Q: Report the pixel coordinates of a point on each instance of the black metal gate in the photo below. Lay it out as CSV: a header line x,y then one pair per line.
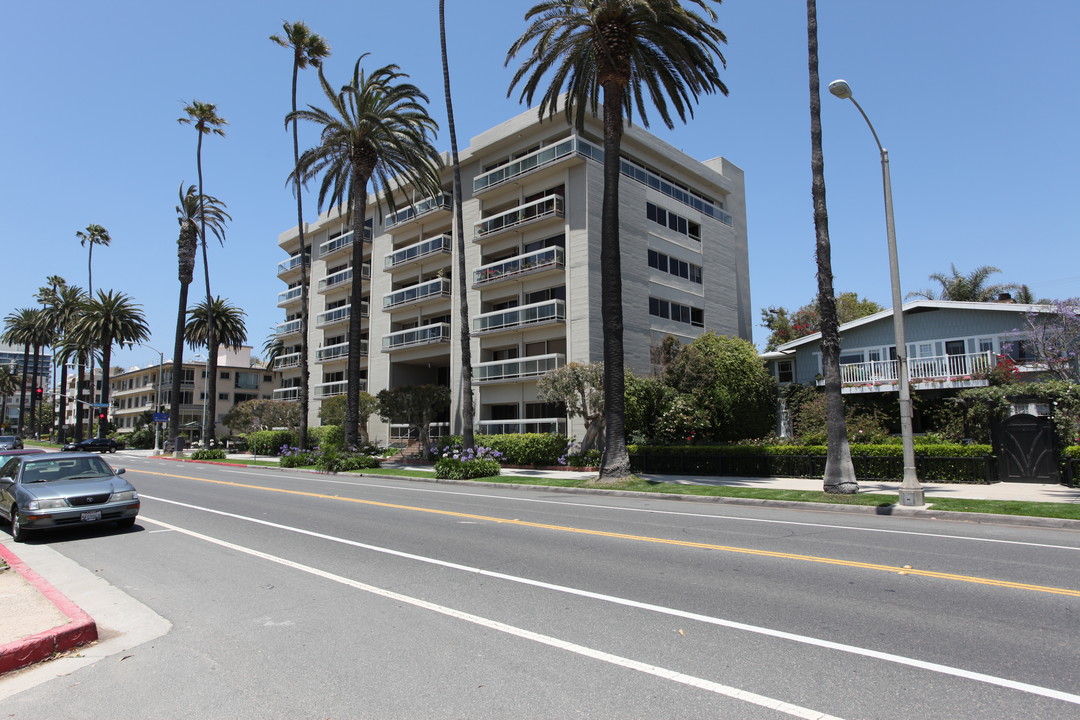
x,y
1024,445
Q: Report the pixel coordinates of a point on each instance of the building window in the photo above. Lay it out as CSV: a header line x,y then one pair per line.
x,y
224,374
674,266
677,312
670,220
223,396
785,371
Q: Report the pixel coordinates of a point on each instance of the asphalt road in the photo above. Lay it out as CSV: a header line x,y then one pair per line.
x,y
295,595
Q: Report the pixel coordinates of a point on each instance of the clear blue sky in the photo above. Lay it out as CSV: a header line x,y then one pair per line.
x,y
977,103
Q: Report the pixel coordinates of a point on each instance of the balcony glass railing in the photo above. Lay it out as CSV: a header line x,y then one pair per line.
x,y
550,206
527,163
542,312
289,295
340,278
289,393
330,389
426,335
291,264
400,432
439,287
338,314
336,352
422,249
520,368
545,259
287,328
284,362
343,240
531,425
430,205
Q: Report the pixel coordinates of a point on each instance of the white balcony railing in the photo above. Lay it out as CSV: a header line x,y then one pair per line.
x,y
287,328
288,393
336,352
343,240
284,362
424,207
527,163
402,433
338,314
284,298
541,312
944,368
426,335
531,425
330,389
291,264
439,287
416,251
533,262
550,206
341,277
518,369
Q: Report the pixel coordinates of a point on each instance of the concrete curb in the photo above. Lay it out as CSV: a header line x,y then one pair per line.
x,y
924,513
81,630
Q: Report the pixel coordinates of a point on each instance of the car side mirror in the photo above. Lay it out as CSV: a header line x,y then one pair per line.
x,y
119,471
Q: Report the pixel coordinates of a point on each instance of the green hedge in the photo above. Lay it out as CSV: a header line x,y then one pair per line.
x,y
270,442
451,469
208,455
542,449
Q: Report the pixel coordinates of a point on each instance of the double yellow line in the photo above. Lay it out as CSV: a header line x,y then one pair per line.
x,y
644,538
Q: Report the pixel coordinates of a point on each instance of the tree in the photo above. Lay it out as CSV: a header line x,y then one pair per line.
x,y
839,474
1053,336
628,48
332,412
377,130
468,412
726,377
787,326
416,406
252,415
20,328
212,326
9,383
307,48
93,235
971,287
648,400
193,212
110,319
63,305
580,387
206,121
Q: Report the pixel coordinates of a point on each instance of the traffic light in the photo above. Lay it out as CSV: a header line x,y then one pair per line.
x,y
101,414
39,392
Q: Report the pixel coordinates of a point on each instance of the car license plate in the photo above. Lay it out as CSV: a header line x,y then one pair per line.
x,y
91,516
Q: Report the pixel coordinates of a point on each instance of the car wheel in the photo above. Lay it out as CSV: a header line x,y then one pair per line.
x,y
112,449
18,533
125,523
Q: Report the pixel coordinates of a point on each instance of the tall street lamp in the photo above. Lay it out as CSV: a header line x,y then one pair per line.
x,y
157,401
911,491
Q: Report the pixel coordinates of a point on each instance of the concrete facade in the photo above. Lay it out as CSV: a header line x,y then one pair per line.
x,y
531,213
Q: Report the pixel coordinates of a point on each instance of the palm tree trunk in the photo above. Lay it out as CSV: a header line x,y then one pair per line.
x,y
352,405
103,415
80,380
61,435
839,472
34,429
22,388
468,412
305,371
177,366
615,465
211,339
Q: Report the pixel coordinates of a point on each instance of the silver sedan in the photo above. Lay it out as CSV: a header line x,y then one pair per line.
x,y
54,490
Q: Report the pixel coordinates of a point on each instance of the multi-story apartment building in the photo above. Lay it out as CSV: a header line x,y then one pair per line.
x,y
38,377
137,391
531,211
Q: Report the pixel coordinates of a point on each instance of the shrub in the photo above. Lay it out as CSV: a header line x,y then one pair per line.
x,y
328,461
208,455
573,457
327,437
294,457
269,442
448,468
358,461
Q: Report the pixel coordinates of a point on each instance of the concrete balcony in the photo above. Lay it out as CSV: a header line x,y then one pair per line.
x,y
288,393
286,362
535,262
417,211
330,353
289,296
939,372
287,328
531,425
517,369
338,315
541,313
545,157
345,240
425,335
440,245
287,267
527,214
330,389
341,279
414,295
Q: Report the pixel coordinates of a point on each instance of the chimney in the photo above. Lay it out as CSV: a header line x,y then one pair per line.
x,y
1005,297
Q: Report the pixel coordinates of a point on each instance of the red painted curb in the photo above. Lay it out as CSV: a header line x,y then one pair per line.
x,y
79,631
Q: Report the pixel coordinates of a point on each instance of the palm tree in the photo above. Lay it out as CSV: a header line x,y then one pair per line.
x,y
625,47
206,121
379,130
467,412
308,48
20,328
110,319
212,325
93,235
966,288
63,305
192,212
9,383
839,474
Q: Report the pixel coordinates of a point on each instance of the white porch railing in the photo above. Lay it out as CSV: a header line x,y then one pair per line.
x,y
938,367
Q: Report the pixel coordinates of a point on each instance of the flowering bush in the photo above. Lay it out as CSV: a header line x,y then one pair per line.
x,y
448,468
293,457
573,457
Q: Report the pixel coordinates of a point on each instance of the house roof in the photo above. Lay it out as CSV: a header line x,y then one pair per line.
x,y
916,306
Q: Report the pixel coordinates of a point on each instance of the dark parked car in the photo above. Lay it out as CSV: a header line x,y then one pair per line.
x,y
11,442
49,491
102,445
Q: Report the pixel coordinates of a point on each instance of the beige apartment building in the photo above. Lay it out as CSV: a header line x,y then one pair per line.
x,y
531,212
137,391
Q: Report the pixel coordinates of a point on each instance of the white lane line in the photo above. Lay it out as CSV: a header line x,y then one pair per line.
x,y
655,670
683,513
780,634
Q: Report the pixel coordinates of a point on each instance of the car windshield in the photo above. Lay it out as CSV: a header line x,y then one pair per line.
x,y
7,438
53,470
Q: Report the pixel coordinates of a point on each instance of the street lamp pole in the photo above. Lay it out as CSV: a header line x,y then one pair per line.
x,y
157,400
911,491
